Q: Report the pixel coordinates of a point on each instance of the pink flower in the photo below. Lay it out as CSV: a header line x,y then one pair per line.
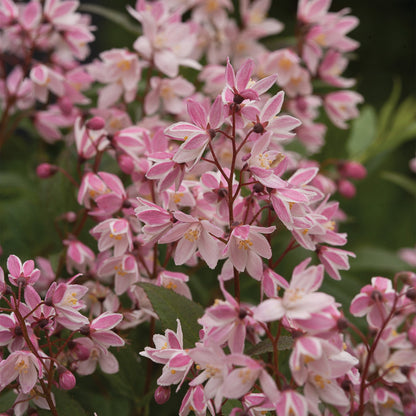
x,y
215,367
169,351
246,246
93,354
174,281
300,299
89,141
332,67
166,41
19,274
292,403
78,256
125,270
196,135
45,79
334,259
341,106
194,401
193,234
114,233
21,365
374,301
100,330
157,220
171,92
66,299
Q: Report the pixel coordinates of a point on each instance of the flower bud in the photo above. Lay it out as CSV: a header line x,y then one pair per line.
x,y
411,333
46,170
346,188
95,123
126,164
70,216
353,170
67,380
162,394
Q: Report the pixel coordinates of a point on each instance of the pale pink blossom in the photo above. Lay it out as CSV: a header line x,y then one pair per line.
x,y
246,246
168,92
374,301
46,79
78,256
166,41
89,141
100,330
21,365
22,274
94,354
156,219
199,133
114,233
334,259
174,281
125,271
193,235
300,299
66,300
341,106
292,403
194,401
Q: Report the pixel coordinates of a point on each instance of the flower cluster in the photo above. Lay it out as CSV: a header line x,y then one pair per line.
x,y
204,175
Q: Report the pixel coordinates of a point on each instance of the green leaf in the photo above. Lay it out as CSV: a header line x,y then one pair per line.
x,y
112,15
377,259
103,405
362,133
388,108
6,400
403,181
229,405
170,306
65,405
285,343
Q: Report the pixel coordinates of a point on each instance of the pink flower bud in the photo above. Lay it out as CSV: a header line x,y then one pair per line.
x,y
346,188
95,123
353,170
411,333
46,170
65,106
70,216
126,164
67,380
162,394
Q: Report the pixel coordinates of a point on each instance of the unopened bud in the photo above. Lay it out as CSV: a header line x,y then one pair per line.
x,y
126,164
65,106
70,216
346,188
353,170
67,380
411,333
95,123
162,394
46,170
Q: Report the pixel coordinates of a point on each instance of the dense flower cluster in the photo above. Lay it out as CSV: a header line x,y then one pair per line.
x,y
209,178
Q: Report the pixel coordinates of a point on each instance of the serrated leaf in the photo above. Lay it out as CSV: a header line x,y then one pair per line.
x,y
403,181
377,259
6,400
113,15
362,133
285,343
170,306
